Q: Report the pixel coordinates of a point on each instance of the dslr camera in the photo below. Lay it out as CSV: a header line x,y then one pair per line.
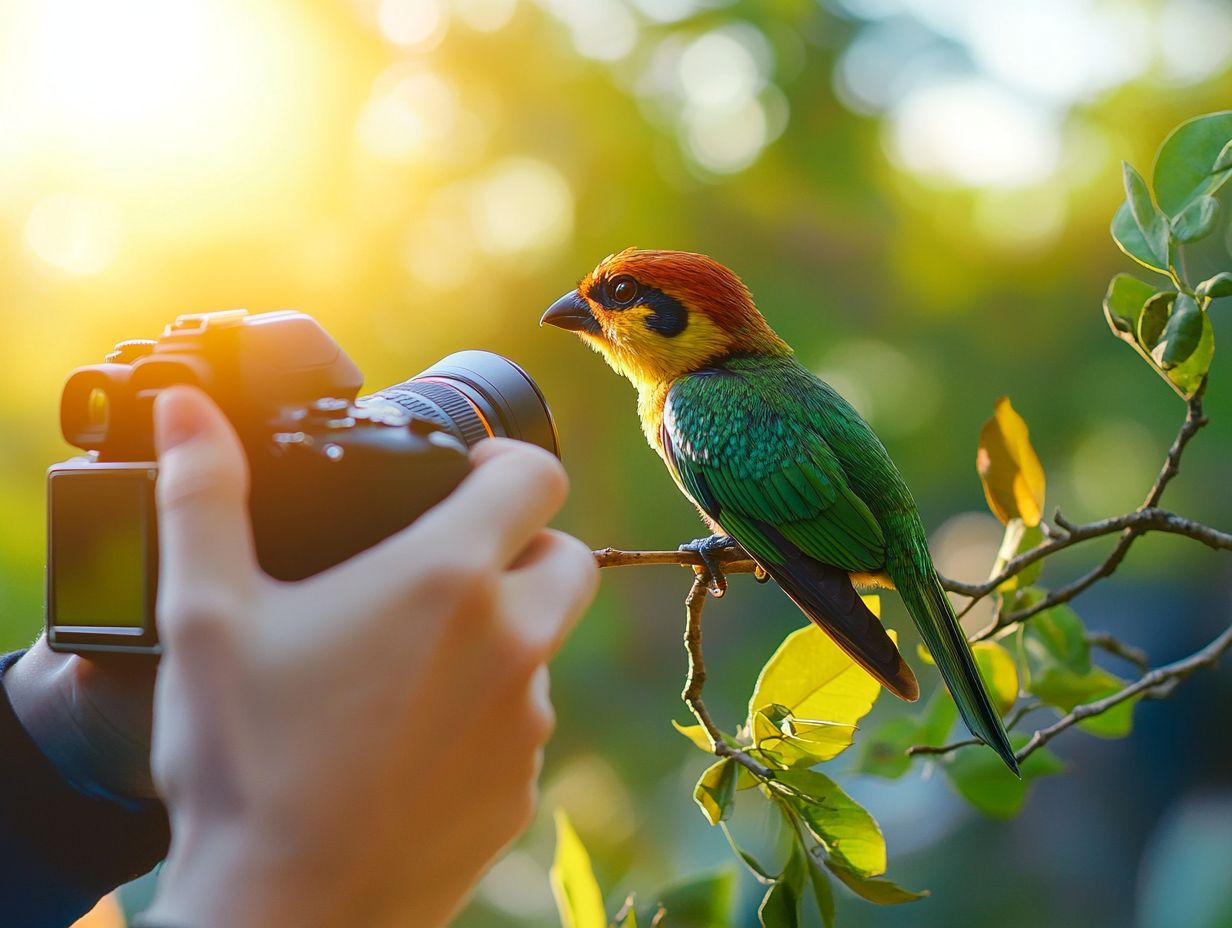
x,y
331,473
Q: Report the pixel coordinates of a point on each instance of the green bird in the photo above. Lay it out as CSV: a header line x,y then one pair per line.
x,y
775,460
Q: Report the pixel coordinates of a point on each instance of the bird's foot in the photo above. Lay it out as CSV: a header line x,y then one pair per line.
x,y
709,549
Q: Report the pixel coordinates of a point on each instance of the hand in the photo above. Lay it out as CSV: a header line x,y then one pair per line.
x,y
91,719
355,748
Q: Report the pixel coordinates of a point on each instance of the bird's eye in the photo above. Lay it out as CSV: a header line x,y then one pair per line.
x,y
623,290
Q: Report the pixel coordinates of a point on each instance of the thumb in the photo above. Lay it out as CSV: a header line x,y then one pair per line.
x,y
205,536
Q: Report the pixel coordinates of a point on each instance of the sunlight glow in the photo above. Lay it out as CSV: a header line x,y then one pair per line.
x,y
485,15
974,132
523,205
410,112
130,76
74,234
604,30
411,23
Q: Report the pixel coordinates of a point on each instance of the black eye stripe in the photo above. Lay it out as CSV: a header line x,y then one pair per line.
x,y
668,316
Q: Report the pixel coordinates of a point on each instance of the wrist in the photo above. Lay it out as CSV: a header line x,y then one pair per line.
x,y
46,691
220,873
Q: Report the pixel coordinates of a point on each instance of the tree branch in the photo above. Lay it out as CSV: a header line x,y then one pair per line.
x,y
1113,645
733,561
1140,521
696,679
1154,684
1147,517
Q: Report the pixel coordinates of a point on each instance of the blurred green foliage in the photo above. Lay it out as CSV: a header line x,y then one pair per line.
x,y
917,193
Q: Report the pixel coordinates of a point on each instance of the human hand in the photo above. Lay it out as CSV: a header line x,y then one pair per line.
x,y
90,718
355,748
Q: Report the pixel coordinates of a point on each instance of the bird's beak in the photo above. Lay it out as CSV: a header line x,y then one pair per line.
x,y
570,312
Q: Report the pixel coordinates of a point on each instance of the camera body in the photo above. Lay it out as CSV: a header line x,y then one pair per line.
x,y
331,474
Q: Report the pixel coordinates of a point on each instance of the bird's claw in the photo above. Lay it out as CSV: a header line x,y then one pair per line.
x,y
709,549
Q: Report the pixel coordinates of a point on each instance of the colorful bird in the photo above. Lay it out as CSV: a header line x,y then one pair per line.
x,y
775,460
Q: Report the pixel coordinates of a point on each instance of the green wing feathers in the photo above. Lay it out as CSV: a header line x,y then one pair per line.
x,y
747,460
787,468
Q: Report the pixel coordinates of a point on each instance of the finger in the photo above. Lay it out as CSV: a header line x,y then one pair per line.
x,y
205,539
551,589
512,491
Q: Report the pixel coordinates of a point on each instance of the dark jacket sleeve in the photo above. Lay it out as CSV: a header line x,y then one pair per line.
x,y
60,850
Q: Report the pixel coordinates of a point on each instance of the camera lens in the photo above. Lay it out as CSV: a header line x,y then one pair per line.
x,y
475,395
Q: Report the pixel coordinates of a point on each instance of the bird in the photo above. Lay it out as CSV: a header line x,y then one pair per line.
x,y
776,462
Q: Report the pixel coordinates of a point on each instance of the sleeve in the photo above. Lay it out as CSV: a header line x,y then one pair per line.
x,y
60,850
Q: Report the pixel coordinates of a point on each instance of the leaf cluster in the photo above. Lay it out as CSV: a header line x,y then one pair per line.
x,y
1168,325
803,712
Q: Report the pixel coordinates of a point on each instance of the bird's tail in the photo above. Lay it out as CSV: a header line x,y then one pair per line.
x,y
934,616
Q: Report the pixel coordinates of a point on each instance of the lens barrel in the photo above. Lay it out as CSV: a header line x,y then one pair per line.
x,y
476,395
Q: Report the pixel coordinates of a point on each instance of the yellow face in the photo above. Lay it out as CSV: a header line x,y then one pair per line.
x,y
654,316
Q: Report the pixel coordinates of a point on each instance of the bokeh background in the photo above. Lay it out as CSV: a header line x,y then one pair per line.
x,y
918,193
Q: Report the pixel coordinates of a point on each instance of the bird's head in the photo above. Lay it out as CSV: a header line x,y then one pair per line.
x,y
656,315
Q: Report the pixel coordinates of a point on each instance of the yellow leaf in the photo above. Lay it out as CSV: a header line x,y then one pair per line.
x,y
1000,673
715,790
800,742
814,680
1009,468
578,898
696,734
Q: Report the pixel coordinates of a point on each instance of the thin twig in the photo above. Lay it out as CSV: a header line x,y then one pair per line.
x,y
696,679
1140,521
1157,683
1113,645
1014,719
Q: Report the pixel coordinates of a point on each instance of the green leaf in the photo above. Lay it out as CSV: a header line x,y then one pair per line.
x,y
882,892
1060,672
1129,239
1193,161
1189,374
716,790
1182,333
1224,161
1215,287
883,753
940,714
696,734
849,834
823,894
813,679
781,906
981,777
1123,304
1065,690
578,899
1055,636
1000,673
755,866
1154,318
1196,221
700,902
1149,218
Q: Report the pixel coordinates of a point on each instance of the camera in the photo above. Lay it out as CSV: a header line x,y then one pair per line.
x,y
331,473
